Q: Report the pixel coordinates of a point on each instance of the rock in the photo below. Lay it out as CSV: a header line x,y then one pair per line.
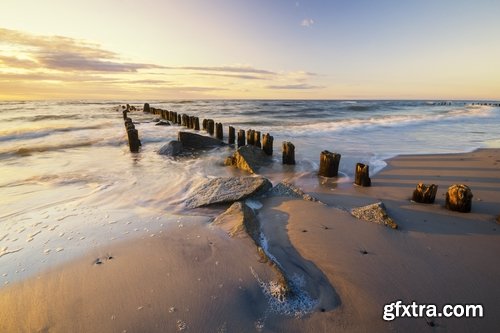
x,y
196,141
459,198
285,189
226,190
374,213
425,193
239,220
162,123
173,148
248,158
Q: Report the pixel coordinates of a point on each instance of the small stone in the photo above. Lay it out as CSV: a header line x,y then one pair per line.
x,y
374,213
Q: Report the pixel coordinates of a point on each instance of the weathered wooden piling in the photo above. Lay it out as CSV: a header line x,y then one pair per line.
x,y
196,123
241,138
218,131
425,193
191,122
288,153
256,139
362,175
133,140
250,136
231,135
204,124
184,119
146,108
459,198
210,126
124,112
267,144
329,164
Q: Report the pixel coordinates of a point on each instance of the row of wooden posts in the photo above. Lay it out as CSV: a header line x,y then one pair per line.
x,y
329,162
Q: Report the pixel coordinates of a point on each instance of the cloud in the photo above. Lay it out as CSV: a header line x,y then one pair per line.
x,y
62,53
299,86
227,69
307,22
235,76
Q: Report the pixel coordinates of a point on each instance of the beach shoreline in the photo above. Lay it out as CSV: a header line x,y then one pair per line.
x,y
198,278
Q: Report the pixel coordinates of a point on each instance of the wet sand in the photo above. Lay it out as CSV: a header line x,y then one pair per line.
x,y
199,279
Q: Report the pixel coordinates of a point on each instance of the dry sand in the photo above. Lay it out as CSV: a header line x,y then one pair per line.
x,y
199,279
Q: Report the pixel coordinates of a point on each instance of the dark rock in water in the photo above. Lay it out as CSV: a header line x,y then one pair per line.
x,y
285,189
248,158
425,193
459,198
375,213
226,190
239,220
162,123
173,148
196,141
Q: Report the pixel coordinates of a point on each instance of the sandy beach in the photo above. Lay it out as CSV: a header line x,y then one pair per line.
x,y
197,278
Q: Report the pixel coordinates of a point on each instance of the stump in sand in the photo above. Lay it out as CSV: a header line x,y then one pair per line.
x,y
241,138
459,198
256,139
329,164
232,137
425,193
288,153
218,131
362,175
267,144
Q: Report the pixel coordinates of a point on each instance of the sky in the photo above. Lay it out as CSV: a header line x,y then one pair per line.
x,y
253,49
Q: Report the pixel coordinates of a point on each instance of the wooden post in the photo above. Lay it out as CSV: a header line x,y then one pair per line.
x,y
146,108
231,138
256,139
425,193
267,144
459,198
250,136
196,123
329,164
133,140
288,153
218,131
204,124
210,126
179,119
191,122
241,138
124,112
362,175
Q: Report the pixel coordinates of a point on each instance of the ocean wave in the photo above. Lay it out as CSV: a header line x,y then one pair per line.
x,y
33,133
43,148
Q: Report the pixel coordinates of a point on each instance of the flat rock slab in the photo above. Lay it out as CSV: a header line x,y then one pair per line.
x,y
227,190
195,141
248,158
375,213
285,189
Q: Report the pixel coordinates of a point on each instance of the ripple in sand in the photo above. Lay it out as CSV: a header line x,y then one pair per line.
x,y
5,250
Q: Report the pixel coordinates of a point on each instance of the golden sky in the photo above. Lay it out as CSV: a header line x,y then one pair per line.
x,y
188,49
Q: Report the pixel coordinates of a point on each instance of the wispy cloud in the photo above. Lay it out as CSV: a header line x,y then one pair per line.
x,y
62,53
227,69
299,86
307,22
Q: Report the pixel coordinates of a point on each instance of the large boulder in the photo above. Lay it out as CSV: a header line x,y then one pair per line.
x,y
375,213
195,141
248,158
226,190
239,220
459,198
173,148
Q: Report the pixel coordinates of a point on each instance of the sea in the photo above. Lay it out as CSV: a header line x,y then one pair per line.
x,y
68,182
